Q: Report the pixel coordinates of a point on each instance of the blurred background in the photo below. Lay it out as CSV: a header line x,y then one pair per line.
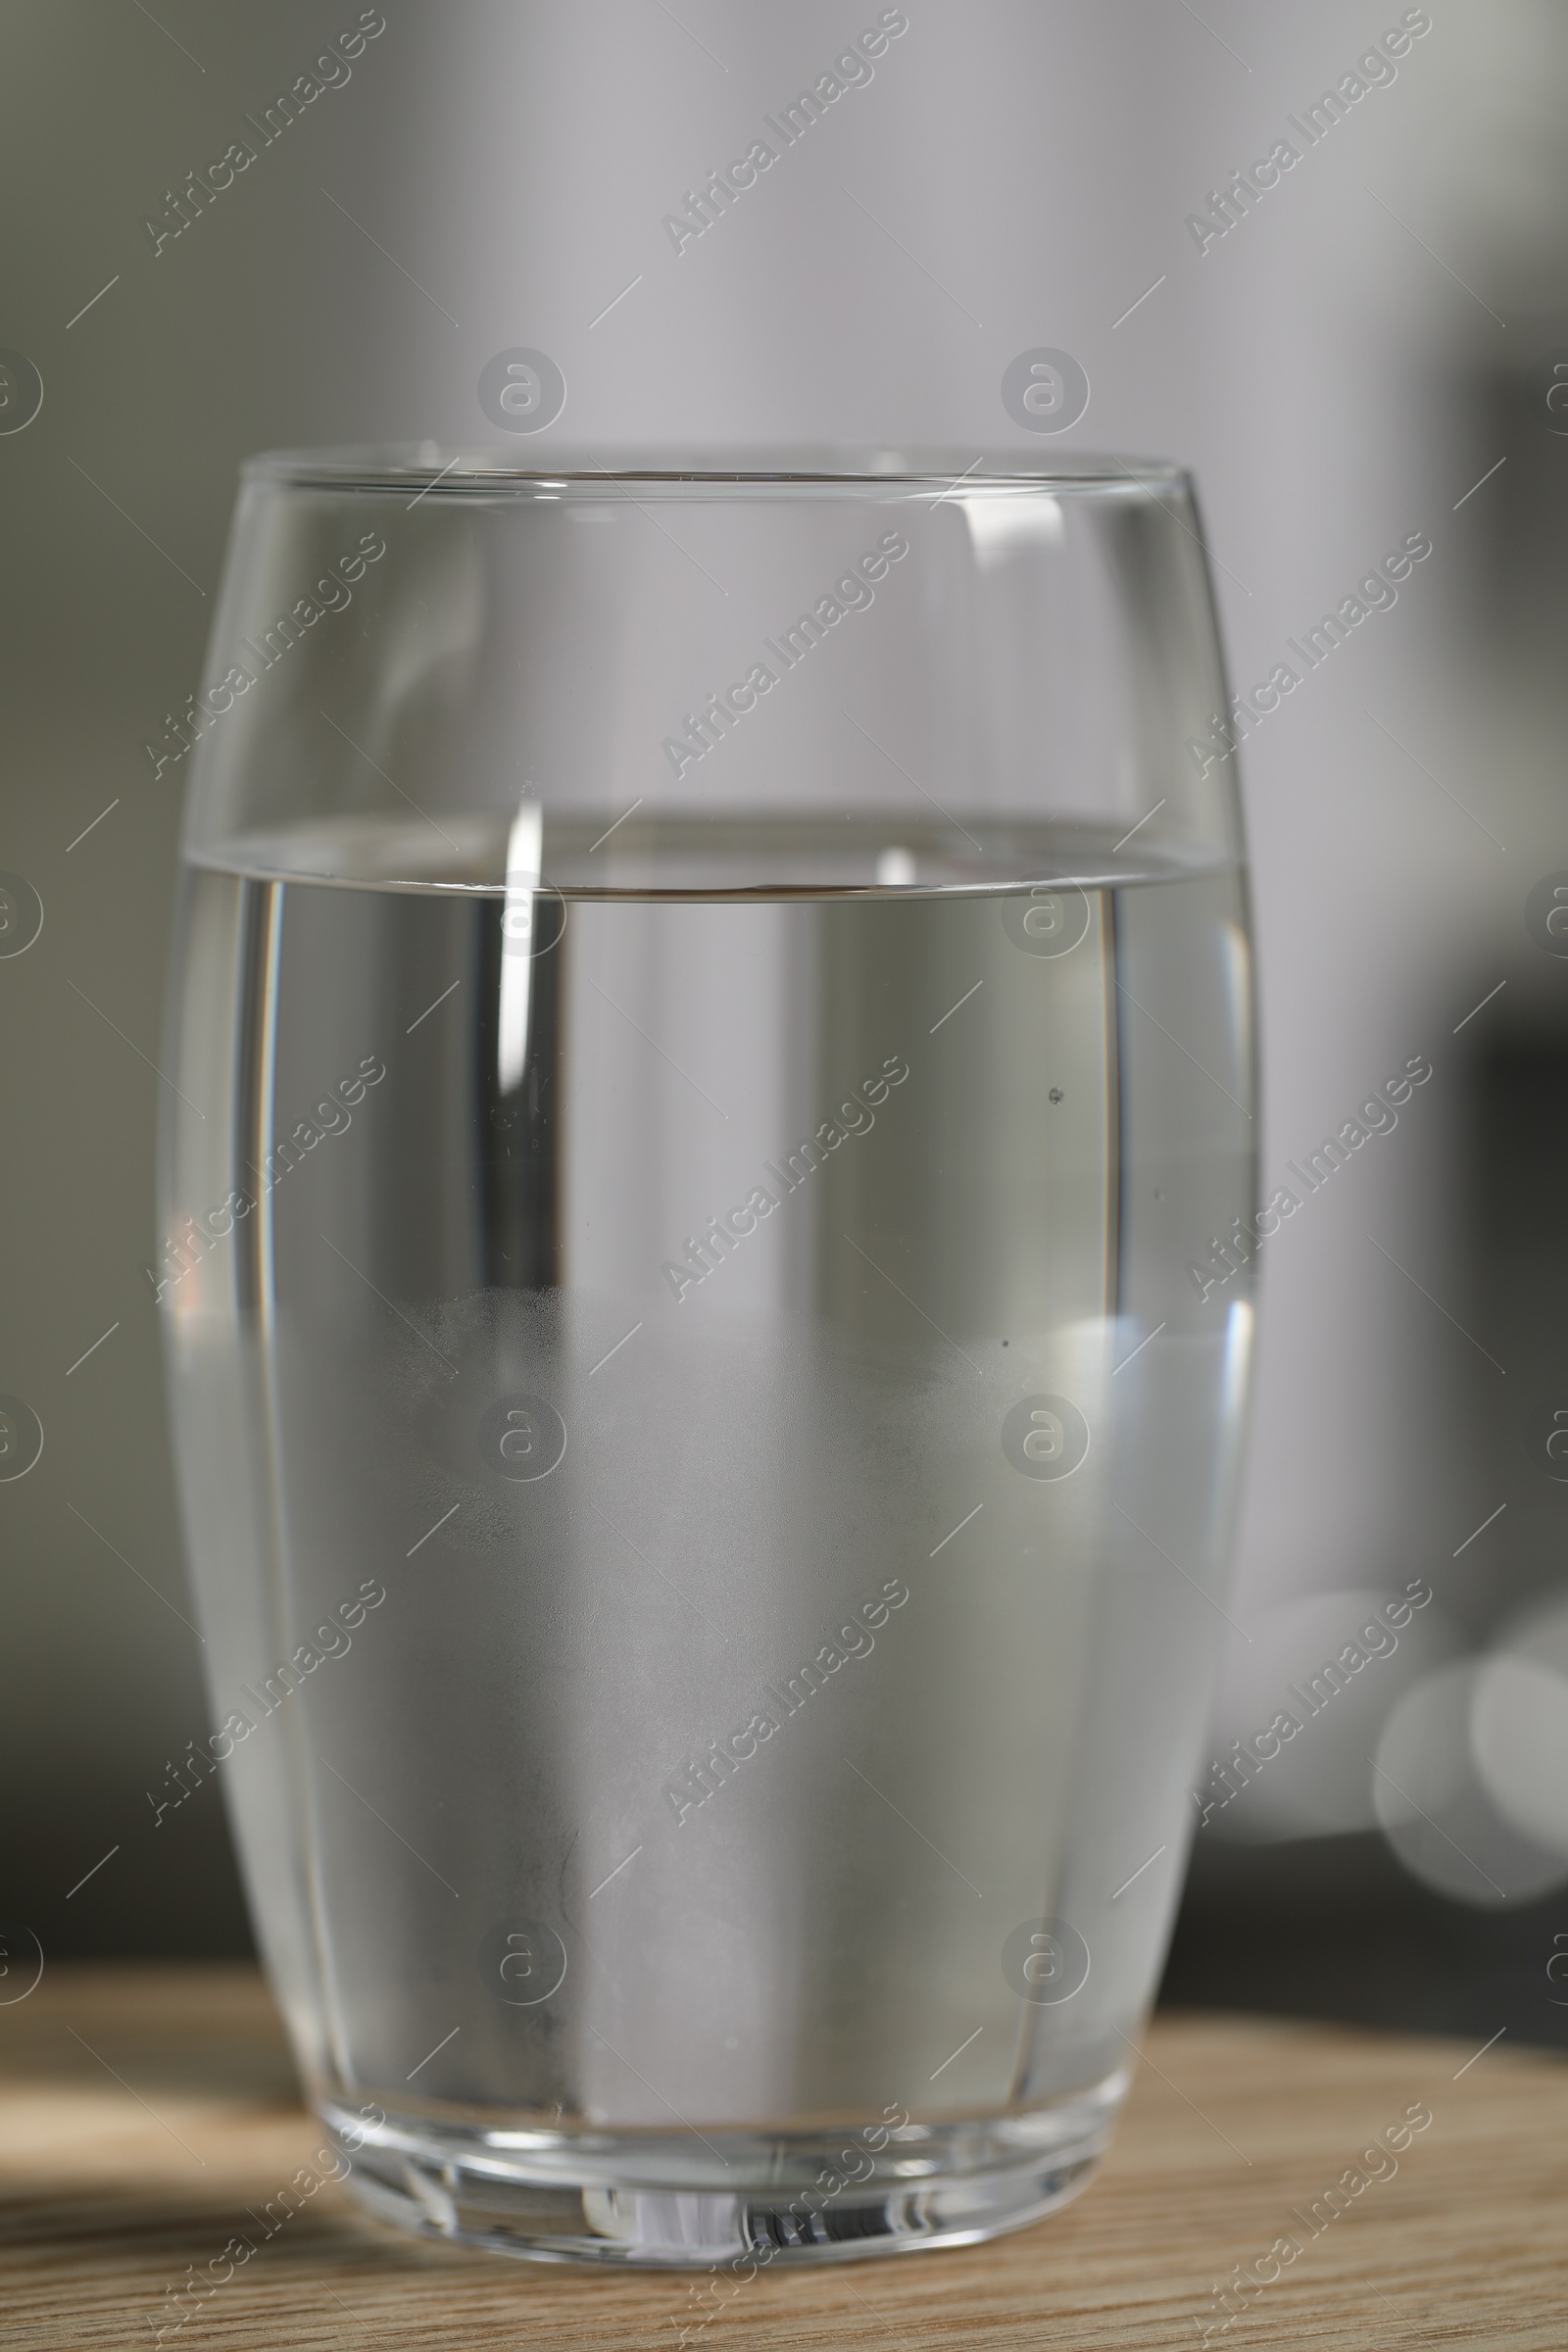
x,y
1360,353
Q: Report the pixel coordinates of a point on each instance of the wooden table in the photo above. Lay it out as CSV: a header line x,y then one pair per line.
x,y
145,2110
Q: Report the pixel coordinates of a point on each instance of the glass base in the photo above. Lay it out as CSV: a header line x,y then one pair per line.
x,y
736,2199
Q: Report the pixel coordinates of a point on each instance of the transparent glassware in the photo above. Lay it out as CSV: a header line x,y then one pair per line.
x,y
712,1028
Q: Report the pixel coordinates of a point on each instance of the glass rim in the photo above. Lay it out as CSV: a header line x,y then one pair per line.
x,y
445,471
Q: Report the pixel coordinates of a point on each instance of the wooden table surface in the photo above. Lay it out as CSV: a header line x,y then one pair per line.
x,y
146,2110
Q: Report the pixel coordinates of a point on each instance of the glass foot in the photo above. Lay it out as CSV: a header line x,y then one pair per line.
x,y
732,2199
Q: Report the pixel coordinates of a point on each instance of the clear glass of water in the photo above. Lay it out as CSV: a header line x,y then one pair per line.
x,y
713,1021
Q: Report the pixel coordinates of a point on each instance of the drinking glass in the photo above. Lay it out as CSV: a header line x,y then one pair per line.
x,y
713,1023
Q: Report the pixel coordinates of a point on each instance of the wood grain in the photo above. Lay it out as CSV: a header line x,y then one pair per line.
x,y
146,2111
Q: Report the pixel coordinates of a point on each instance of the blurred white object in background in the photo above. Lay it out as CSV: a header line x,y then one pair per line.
x,y
1471,1772
1298,1663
